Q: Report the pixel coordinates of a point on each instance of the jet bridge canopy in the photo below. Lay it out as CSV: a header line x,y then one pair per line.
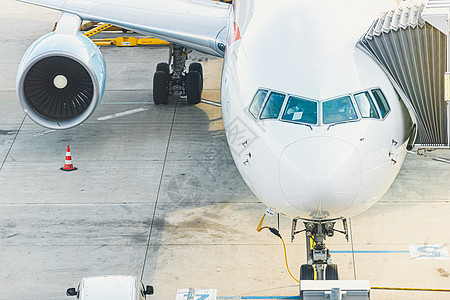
x,y
413,54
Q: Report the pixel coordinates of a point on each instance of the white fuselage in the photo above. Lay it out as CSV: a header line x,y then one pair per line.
x,y
326,150
308,49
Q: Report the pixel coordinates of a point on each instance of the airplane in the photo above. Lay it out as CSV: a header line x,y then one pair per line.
x,y
315,127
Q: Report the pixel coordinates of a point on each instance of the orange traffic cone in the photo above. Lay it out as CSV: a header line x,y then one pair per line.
x,y
68,165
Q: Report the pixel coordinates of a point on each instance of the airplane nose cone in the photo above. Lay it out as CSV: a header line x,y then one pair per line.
x,y
320,175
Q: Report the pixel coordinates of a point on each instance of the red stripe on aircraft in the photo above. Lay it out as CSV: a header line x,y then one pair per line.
x,y
237,33
235,2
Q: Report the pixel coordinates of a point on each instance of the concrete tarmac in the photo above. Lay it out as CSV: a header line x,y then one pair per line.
x,y
157,195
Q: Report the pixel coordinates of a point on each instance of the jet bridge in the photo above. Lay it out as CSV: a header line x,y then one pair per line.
x,y
413,53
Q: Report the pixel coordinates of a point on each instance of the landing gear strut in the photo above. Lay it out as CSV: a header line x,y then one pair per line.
x,y
319,265
166,83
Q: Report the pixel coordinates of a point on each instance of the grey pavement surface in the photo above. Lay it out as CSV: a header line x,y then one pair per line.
x,y
157,195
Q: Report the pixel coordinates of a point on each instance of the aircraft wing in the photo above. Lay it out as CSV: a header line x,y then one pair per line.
x,y
195,24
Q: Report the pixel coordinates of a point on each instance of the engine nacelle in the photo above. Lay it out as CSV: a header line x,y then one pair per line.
x,y
61,80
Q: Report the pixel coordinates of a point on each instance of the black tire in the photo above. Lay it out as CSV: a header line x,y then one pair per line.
x,y
161,87
194,87
196,67
331,272
162,66
306,272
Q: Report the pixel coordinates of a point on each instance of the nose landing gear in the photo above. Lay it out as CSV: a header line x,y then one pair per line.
x,y
319,265
186,84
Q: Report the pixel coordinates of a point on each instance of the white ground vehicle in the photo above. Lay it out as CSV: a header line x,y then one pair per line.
x,y
117,287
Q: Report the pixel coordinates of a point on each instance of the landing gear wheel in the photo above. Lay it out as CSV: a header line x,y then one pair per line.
x,y
331,272
160,87
163,67
194,87
306,272
196,67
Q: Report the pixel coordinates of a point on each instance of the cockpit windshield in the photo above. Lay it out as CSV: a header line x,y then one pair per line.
x,y
273,106
368,104
339,110
381,101
300,110
257,102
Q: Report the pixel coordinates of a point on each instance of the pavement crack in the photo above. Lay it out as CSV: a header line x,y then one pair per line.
x,y
159,188
12,144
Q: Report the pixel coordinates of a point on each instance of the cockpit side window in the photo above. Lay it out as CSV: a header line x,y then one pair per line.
x,y
338,110
300,110
383,105
257,102
366,105
273,106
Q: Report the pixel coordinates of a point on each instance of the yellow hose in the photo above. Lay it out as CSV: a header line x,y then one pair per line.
x,y
259,228
285,260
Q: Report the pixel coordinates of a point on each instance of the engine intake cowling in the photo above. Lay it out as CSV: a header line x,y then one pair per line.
x,y
61,80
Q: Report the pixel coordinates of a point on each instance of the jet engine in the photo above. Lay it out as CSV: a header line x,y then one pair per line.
x,y
61,80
